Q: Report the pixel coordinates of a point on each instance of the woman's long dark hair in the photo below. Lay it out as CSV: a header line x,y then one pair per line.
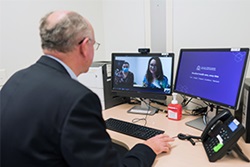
x,y
158,73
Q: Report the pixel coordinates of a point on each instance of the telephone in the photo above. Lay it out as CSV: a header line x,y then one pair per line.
x,y
220,136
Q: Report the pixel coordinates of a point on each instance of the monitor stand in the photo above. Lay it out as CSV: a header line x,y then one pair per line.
x,y
201,122
197,123
144,108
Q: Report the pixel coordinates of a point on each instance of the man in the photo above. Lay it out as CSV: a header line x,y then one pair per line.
x,y
49,119
124,78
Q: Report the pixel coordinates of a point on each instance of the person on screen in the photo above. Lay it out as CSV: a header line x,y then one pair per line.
x,y
154,77
48,118
124,78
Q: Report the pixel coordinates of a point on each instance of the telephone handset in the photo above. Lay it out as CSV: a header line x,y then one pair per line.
x,y
221,135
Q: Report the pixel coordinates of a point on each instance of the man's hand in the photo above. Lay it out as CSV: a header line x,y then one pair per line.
x,y
159,143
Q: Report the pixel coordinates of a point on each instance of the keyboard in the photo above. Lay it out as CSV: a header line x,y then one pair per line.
x,y
131,129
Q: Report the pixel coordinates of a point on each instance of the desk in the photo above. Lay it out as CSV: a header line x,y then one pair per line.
x,y
183,153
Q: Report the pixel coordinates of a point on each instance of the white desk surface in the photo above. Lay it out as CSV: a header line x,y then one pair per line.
x,y
183,153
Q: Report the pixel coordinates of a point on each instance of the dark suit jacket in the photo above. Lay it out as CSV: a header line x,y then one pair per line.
x,y
48,119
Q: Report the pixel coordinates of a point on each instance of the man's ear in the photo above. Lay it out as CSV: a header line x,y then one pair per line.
x,y
83,47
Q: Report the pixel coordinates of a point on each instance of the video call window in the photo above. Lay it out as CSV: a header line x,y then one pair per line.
x,y
142,74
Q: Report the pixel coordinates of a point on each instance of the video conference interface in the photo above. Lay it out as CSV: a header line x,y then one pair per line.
x,y
142,73
212,75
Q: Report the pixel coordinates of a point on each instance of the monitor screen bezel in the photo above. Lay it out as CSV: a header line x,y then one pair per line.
x,y
141,93
242,78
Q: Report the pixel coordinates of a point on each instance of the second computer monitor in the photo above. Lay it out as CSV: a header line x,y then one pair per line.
x,y
213,75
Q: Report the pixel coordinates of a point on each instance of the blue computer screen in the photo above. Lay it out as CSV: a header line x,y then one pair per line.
x,y
215,75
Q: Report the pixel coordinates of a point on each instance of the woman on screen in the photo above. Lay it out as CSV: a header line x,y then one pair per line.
x,y
154,77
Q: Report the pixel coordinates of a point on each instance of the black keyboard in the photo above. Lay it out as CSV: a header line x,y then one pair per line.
x,y
132,129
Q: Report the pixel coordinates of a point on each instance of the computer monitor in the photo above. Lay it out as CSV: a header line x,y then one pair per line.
x,y
139,69
213,75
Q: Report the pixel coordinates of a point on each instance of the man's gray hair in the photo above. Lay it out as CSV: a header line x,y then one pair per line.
x,y
64,35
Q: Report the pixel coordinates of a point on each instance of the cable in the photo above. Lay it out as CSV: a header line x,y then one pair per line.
x,y
200,111
148,104
185,101
135,120
190,138
157,102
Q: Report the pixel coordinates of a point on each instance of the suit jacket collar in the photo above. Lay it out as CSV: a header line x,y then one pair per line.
x,y
47,61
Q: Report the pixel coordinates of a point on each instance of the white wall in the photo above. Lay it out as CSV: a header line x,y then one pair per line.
x,y
19,23
124,25
211,23
119,26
